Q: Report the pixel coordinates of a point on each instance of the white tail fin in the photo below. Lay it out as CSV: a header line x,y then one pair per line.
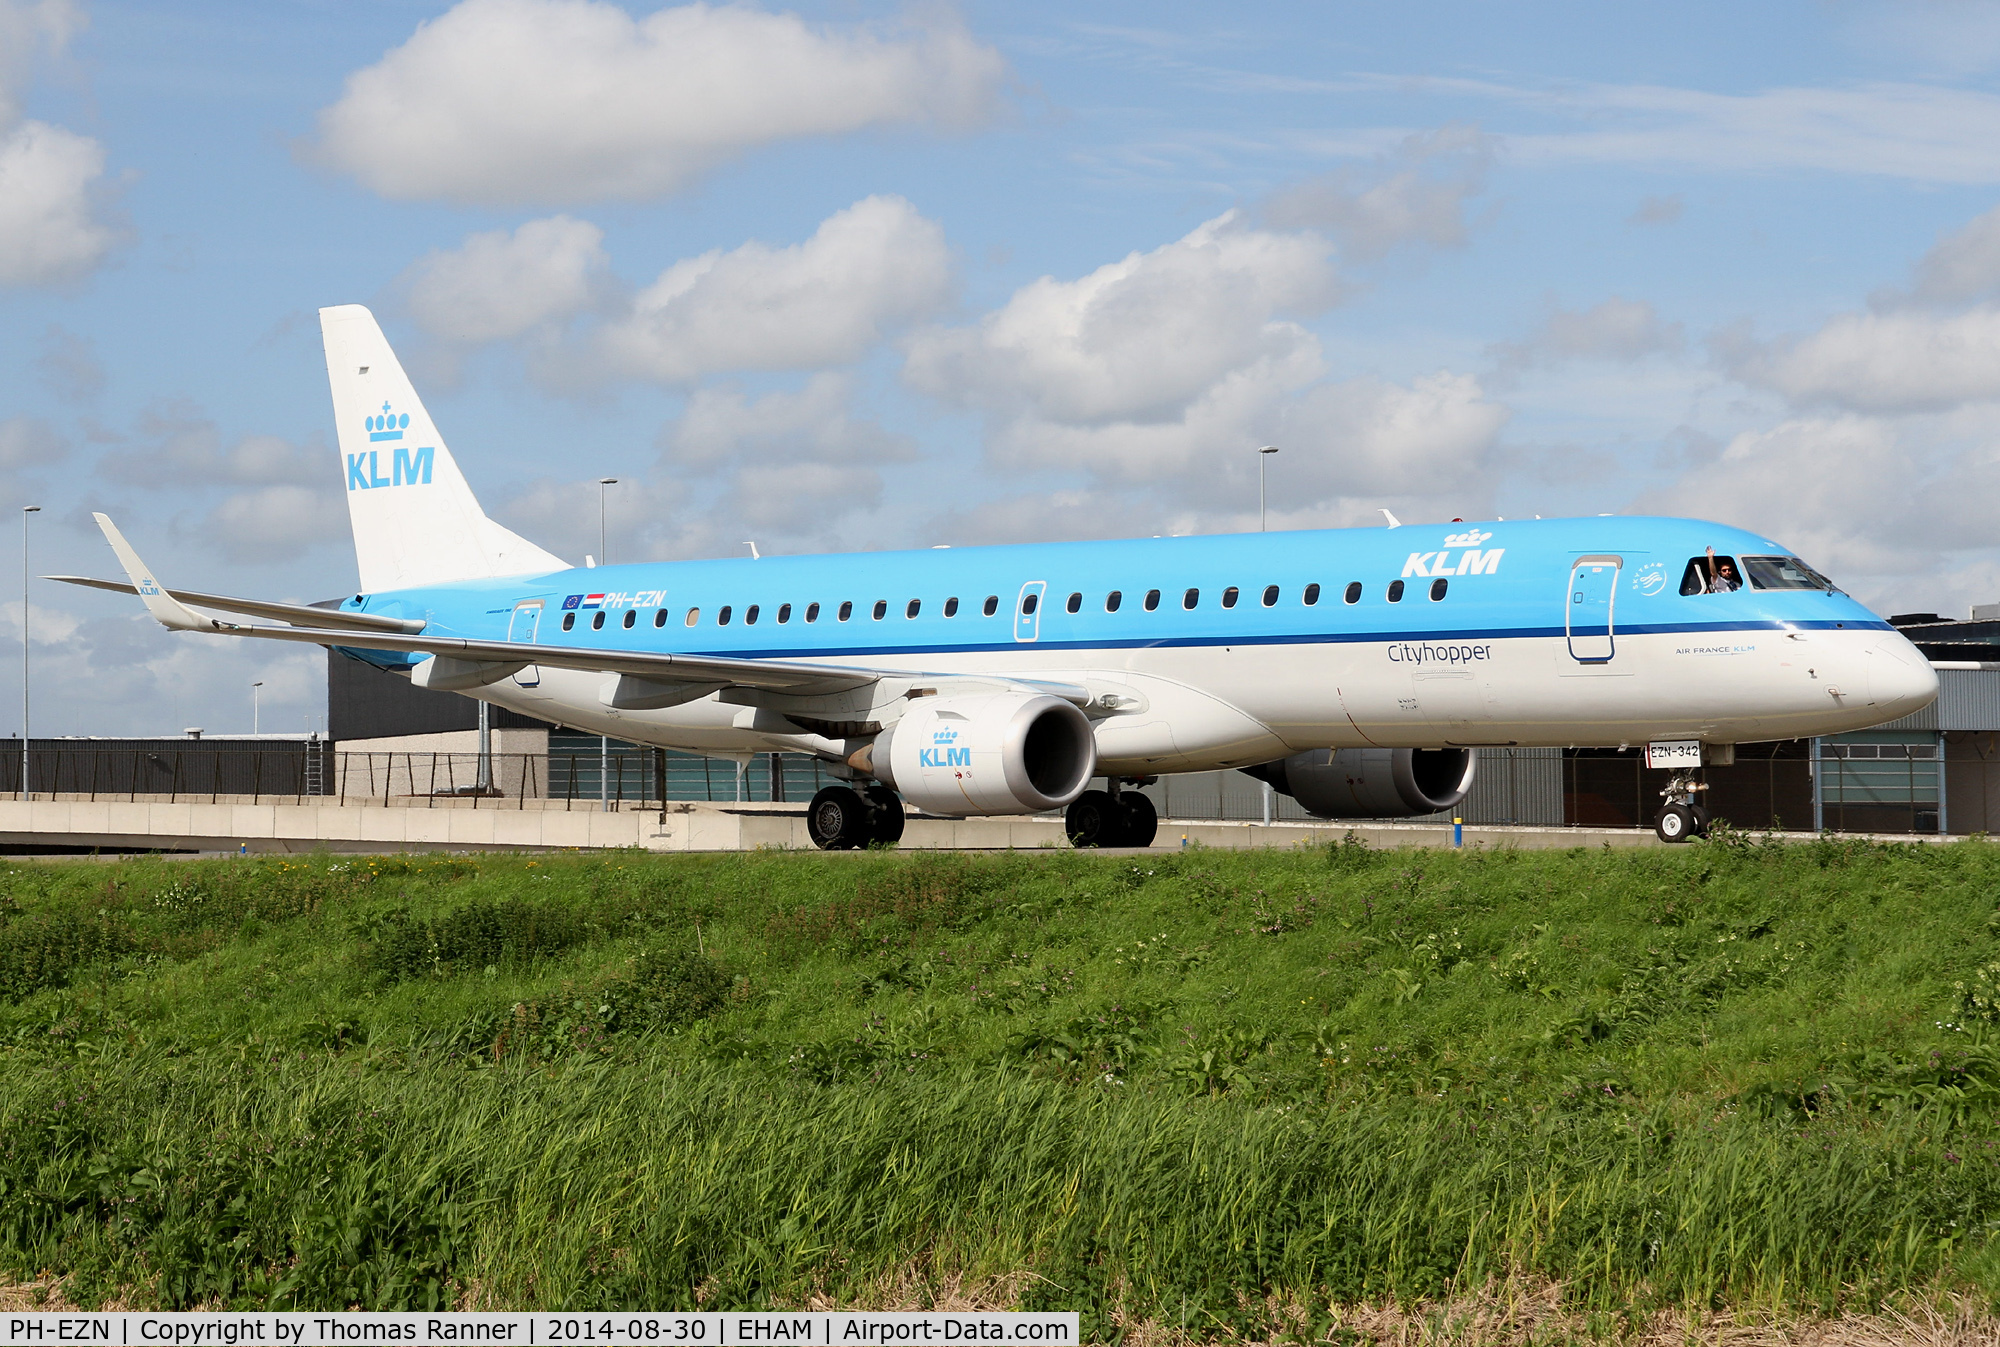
x,y
416,522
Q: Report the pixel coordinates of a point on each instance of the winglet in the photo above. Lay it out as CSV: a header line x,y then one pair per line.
x,y
170,611
1394,522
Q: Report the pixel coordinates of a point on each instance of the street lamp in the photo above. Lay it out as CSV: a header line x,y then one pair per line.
x,y
603,740
1262,454
256,709
26,510
603,537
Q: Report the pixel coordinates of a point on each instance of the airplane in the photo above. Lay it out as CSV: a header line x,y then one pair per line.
x,y
1358,671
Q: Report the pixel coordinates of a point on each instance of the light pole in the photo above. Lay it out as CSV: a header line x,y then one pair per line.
x,y
256,709
603,740
26,510
603,536
1262,454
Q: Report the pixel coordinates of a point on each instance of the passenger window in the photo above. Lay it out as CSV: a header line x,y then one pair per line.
x,y
846,610
1311,595
881,609
1270,595
750,616
1395,591
569,621
1075,604
1190,599
660,618
1228,597
1152,599
1698,579
1438,588
784,613
1112,600
812,612
722,616
992,605
1029,602
916,606
597,620
1353,594
631,616
951,606
694,616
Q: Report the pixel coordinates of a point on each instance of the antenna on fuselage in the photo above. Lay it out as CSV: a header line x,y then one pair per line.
x,y
755,555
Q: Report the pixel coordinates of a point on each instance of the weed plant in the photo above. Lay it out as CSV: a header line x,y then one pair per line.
x,y
1184,1087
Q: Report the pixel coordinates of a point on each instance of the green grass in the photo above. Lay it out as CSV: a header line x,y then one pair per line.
x,y
1177,1088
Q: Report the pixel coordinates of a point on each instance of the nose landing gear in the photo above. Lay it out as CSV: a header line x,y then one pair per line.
x,y
1681,817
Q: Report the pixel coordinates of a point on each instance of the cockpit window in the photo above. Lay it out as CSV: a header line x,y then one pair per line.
x,y
1783,573
1711,575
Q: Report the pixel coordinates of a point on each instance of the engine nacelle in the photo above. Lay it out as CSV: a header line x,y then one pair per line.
x,y
997,753
1372,782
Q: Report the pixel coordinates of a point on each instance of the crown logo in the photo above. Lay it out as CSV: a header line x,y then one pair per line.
x,y
387,426
1472,537
945,736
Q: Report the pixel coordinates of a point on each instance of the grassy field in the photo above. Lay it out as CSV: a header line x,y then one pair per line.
x,y
1182,1089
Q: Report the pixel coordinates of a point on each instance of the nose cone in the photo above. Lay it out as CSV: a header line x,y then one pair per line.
x,y
1900,679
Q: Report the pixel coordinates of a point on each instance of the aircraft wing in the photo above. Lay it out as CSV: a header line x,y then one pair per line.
x,y
298,614
711,670
468,663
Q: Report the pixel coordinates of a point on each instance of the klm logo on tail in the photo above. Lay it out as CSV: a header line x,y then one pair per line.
x,y
407,467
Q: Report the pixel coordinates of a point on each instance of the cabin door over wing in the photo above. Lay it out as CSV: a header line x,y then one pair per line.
x,y
523,628
1593,586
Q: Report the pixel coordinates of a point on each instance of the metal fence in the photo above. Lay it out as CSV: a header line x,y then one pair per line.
x,y
296,769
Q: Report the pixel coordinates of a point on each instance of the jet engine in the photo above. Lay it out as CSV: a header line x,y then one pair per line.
x,y
1372,782
997,753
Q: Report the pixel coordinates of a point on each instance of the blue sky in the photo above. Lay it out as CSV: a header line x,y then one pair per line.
x,y
863,276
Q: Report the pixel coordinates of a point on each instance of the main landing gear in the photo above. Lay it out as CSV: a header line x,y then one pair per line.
x,y
1680,817
841,818
1113,818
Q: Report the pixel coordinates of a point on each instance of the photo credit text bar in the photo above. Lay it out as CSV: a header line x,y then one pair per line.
x,y
765,1329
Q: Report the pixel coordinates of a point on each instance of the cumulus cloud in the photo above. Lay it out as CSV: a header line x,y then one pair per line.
x,y
1964,265
866,271
1896,361
1417,195
497,285
25,30
273,523
522,102
1137,339
723,426
26,442
1615,329
183,448
49,230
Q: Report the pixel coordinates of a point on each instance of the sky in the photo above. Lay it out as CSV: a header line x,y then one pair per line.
x,y
854,276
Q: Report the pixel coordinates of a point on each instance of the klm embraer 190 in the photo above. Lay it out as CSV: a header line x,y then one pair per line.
x,y
1358,671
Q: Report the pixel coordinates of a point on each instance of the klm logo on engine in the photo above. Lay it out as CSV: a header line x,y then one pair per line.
x,y
407,467
942,753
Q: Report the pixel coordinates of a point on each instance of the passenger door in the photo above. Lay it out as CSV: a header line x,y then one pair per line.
x,y
523,627
1587,615
1028,611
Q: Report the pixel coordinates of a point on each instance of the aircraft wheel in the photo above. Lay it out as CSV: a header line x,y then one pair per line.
x,y
1676,823
887,809
838,819
1094,820
1142,821
1702,818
